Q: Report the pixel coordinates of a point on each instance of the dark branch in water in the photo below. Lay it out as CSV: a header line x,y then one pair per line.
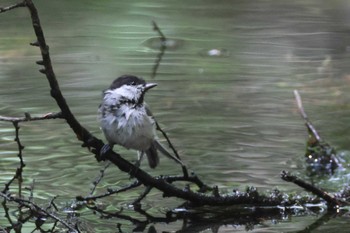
x,y
320,156
331,201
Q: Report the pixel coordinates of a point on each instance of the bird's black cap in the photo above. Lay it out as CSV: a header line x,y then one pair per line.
x,y
126,79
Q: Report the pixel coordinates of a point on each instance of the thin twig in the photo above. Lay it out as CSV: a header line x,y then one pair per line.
x,y
308,123
52,204
143,195
99,178
31,195
6,210
8,184
118,215
7,8
110,192
28,117
35,208
22,164
162,49
192,178
172,147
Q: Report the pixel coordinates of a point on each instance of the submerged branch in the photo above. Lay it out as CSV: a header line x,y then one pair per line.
x,y
331,201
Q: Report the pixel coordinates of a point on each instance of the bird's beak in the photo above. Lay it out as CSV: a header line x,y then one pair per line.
x,y
149,86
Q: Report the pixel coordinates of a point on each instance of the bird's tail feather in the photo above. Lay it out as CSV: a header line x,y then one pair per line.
x,y
152,156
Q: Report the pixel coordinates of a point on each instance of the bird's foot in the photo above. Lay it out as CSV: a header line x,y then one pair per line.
x,y
137,165
103,152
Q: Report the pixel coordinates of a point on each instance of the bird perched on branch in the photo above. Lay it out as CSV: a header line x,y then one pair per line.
x,y
127,121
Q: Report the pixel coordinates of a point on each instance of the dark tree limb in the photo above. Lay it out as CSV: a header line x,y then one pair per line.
x,y
331,201
82,134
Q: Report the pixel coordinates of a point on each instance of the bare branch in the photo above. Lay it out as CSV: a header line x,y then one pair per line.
x,y
308,123
331,201
8,184
172,147
143,195
8,8
110,192
161,50
35,208
52,204
28,117
98,180
56,93
22,164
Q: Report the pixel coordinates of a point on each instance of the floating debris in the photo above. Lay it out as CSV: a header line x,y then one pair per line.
x,y
215,53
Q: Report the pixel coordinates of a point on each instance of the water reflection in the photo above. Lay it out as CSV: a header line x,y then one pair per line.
x,y
232,118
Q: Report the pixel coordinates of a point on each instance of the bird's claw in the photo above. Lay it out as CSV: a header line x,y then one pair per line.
x,y
104,150
137,165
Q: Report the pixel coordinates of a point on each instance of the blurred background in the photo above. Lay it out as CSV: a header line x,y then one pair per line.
x,y
224,94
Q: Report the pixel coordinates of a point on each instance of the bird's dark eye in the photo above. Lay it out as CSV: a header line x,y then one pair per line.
x,y
133,83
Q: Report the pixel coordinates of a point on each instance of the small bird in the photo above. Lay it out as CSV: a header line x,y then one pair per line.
x,y
127,121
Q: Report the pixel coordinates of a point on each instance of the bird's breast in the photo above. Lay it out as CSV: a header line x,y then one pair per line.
x,y
129,127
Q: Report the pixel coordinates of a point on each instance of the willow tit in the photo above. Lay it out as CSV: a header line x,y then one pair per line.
x,y
127,121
